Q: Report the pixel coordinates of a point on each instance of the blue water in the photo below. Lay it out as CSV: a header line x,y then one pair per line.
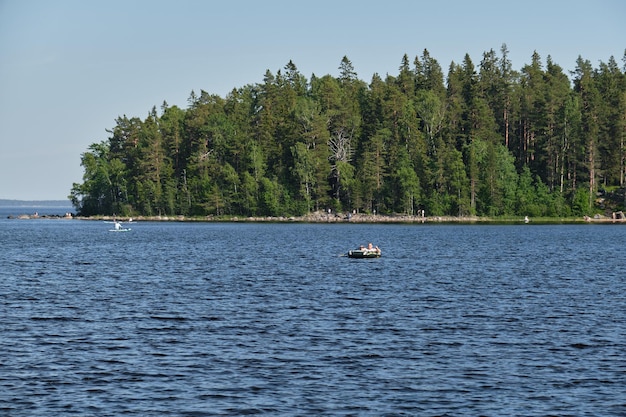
x,y
230,319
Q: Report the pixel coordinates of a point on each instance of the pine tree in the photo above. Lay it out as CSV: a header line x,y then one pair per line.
x,y
585,86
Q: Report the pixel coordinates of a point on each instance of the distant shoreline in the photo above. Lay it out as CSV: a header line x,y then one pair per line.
x,y
22,209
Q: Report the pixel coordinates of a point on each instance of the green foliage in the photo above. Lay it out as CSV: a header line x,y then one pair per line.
x,y
580,202
491,141
407,184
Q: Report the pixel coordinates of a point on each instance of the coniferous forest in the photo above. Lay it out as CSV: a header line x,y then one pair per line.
x,y
484,140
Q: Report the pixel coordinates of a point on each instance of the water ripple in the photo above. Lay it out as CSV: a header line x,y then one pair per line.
x,y
204,319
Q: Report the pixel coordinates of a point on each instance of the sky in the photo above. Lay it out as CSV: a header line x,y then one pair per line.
x,y
70,68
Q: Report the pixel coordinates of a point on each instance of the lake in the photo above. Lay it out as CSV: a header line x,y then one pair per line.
x,y
231,319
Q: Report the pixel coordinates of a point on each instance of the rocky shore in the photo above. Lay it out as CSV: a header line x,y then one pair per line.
x,y
323,217
40,216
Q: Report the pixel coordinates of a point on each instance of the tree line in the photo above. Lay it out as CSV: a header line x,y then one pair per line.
x,y
489,140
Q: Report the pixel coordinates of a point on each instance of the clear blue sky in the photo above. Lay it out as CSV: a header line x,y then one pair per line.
x,y
69,68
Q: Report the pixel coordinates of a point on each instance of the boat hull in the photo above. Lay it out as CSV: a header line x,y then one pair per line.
x,y
361,254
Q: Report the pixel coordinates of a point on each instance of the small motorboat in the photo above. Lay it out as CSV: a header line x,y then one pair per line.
x,y
365,252
358,253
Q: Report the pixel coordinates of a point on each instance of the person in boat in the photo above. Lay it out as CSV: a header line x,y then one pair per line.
x,y
118,225
372,248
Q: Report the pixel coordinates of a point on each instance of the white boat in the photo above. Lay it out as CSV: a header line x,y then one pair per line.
x,y
118,227
123,229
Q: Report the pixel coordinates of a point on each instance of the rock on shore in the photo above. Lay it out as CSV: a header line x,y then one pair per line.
x,y
323,217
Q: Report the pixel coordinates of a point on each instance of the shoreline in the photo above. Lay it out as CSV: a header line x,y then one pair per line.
x,y
323,217
361,219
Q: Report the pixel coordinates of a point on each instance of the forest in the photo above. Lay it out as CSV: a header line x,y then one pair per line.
x,y
485,140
